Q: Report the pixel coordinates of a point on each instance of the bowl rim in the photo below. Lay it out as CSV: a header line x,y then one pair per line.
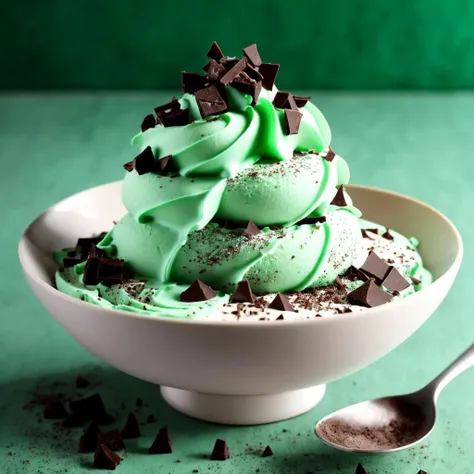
x,y
367,312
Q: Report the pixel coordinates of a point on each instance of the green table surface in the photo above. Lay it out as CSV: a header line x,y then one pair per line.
x,y
55,145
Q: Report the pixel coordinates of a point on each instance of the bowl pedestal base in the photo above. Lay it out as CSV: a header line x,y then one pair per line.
x,y
243,409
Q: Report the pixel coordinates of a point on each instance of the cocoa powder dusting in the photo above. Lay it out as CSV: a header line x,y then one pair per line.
x,y
399,424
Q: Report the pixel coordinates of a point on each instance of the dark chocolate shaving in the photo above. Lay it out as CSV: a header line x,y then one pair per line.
x,y
215,52
192,82
171,114
267,452
339,199
281,303
198,291
162,443
251,230
104,458
148,122
269,73
232,73
88,441
253,73
375,267
369,295
131,428
394,281
280,318
243,293
387,235
284,100
249,86
293,120
220,451
165,164
312,220
301,101
210,102
354,274
251,53
330,155
415,281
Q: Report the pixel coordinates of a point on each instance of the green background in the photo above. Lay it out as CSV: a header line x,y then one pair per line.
x,y
144,44
418,144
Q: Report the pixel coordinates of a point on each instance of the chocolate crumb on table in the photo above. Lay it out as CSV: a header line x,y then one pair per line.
x,y
104,458
131,428
220,451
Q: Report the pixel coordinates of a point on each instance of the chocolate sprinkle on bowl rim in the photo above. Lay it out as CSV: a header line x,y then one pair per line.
x,y
105,312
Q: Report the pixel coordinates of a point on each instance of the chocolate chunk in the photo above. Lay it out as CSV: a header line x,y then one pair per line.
x,y
248,86
148,122
151,419
415,281
354,274
144,162
365,235
55,411
192,82
83,247
269,73
162,443
394,281
301,101
210,102
229,62
360,469
369,295
104,458
220,451
90,271
232,73
267,452
215,52
280,318
284,100
130,166
214,70
251,230
173,105
281,303
112,439
89,439
90,408
330,155
139,402
166,164
243,293
339,199
293,119
375,267
251,52
198,291
387,235
171,114
82,382
131,428
111,271
421,472
253,73
374,231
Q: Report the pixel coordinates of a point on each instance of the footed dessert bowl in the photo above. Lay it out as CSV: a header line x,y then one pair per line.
x,y
239,372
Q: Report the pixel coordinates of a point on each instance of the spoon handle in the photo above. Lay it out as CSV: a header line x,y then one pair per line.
x,y
463,362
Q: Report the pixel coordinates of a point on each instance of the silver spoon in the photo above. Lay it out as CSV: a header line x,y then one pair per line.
x,y
390,424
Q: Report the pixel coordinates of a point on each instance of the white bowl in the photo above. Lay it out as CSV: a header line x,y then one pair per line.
x,y
239,372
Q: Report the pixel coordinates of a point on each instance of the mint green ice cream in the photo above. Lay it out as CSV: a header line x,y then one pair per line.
x,y
235,167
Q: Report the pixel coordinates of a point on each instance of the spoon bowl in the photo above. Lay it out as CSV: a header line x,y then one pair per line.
x,y
389,424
